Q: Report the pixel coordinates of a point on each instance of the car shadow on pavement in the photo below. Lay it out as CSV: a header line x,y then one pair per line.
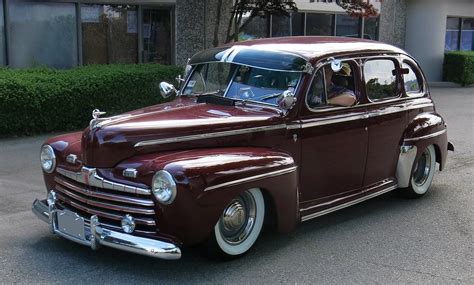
x,y
316,235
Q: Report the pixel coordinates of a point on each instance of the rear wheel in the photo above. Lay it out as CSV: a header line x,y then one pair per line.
x,y
239,225
422,173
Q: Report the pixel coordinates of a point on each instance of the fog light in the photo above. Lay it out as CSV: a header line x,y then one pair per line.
x,y
51,198
128,224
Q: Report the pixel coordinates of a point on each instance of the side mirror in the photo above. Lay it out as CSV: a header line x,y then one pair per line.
x,y
167,90
286,100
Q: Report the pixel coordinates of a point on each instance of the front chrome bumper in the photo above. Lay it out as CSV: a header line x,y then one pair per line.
x,y
98,236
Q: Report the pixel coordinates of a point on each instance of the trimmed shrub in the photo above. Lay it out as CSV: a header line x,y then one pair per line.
x,y
459,67
45,100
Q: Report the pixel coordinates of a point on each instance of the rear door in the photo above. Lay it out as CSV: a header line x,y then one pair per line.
x,y
387,117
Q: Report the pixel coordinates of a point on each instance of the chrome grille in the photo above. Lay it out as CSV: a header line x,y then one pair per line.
x,y
110,206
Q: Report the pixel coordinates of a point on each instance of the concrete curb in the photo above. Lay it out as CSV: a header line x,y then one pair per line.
x,y
443,84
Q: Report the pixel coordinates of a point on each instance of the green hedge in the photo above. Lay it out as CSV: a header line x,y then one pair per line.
x,y
45,100
459,67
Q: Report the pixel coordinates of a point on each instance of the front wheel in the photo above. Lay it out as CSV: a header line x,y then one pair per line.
x,y
239,225
422,173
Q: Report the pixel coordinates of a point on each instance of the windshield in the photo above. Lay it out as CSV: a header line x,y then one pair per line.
x,y
241,82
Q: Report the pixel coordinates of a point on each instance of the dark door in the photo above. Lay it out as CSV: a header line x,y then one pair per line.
x,y
387,118
157,35
334,149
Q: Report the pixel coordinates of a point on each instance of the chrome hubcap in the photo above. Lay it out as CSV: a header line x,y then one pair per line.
x,y
238,219
422,168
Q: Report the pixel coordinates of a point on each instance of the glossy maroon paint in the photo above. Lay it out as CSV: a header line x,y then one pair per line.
x,y
336,162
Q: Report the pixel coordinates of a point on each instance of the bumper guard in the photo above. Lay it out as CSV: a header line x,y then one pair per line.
x,y
97,236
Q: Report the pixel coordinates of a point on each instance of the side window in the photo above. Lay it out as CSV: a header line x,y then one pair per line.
x,y
332,88
380,79
411,80
317,94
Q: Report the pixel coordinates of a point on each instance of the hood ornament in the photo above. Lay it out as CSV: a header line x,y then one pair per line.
x,y
96,113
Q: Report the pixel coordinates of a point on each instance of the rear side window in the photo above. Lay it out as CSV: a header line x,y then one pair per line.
x,y
411,80
380,79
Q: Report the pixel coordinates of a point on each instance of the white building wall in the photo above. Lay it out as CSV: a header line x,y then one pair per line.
x,y
426,28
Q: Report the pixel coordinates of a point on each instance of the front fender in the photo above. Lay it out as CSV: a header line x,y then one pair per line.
x,y
425,129
208,180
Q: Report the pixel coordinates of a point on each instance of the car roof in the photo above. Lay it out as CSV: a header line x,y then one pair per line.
x,y
314,47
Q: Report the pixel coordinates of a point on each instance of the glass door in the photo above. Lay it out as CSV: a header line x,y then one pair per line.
x,y
157,35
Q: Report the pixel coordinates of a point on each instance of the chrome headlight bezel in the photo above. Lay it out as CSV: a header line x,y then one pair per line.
x,y
47,153
164,195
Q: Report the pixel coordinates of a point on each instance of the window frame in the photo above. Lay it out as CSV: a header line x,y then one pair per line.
x,y
399,92
357,86
419,76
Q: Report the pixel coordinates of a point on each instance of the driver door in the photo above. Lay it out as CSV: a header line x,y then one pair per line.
x,y
334,148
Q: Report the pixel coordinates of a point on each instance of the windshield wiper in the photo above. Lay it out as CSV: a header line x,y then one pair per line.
x,y
215,92
269,96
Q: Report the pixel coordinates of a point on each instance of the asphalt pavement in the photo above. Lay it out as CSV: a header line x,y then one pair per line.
x,y
384,240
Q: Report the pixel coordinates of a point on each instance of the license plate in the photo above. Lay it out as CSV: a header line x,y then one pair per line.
x,y
71,224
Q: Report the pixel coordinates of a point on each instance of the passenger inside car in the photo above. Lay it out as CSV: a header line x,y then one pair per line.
x,y
339,86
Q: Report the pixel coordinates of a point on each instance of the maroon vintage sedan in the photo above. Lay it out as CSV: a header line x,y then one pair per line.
x,y
282,130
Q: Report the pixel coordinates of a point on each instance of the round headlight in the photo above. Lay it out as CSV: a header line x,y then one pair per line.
x,y
48,159
164,187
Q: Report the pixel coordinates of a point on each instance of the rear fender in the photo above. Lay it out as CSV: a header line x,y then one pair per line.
x,y
424,130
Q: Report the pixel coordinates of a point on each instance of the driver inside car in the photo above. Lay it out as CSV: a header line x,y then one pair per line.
x,y
338,94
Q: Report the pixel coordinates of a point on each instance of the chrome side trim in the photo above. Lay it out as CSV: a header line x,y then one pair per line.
x,y
346,118
426,137
345,205
253,178
405,164
90,177
334,120
96,236
210,135
384,183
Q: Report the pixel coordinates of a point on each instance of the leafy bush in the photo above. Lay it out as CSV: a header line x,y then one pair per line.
x,y
44,100
459,67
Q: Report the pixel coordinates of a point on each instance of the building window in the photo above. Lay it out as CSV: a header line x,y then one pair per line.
x,y
467,34
281,26
371,28
452,34
319,24
459,34
257,28
298,24
348,26
324,24
42,34
109,34
157,36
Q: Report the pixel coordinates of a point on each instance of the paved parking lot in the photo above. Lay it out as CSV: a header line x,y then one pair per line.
x,y
384,240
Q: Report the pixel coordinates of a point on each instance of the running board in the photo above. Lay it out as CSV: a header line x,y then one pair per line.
x,y
345,205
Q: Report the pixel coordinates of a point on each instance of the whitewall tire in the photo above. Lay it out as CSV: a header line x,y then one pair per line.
x,y
422,173
240,224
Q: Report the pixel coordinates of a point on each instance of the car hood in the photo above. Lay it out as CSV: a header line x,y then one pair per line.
x,y
180,124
